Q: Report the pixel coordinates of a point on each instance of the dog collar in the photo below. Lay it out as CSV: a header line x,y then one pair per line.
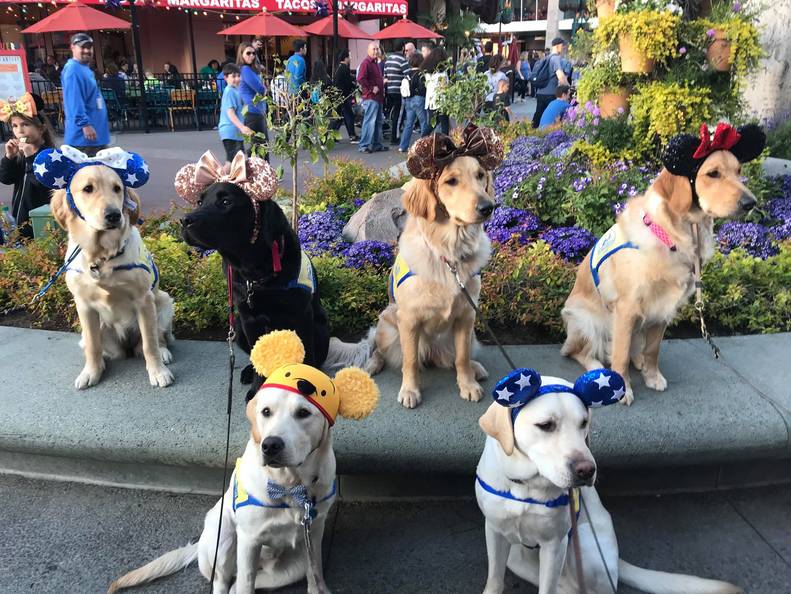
x,y
658,231
560,501
276,492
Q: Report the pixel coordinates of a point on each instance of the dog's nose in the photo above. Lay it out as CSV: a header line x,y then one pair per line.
x,y
486,209
272,446
186,221
747,202
112,215
584,470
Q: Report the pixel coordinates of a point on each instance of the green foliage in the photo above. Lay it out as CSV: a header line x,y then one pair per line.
x,y
746,294
353,298
351,180
779,140
463,98
581,48
603,75
654,33
459,27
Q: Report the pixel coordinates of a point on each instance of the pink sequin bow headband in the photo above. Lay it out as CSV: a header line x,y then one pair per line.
x,y
253,175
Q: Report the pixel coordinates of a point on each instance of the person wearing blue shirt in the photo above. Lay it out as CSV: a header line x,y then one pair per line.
x,y
296,67
231,126
87,126
251,86
555,110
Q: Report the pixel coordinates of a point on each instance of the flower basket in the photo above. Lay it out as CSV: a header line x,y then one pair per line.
x,y
632,59
719,52
605,8
614,100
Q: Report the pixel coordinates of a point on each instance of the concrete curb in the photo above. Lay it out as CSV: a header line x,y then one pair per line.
x,y
714,414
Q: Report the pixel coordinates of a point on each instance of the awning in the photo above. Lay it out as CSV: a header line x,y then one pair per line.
x,y
361,7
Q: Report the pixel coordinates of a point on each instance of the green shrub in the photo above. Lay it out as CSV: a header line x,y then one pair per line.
x,y
353,298
351,180
779,140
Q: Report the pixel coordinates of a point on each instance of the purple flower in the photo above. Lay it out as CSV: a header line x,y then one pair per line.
x,y
595,121
711,32
589,106
621,111
755,239
320,232
570,243
737,6
682,50
581,183
369,253
779,209
508,223
358,202
781,232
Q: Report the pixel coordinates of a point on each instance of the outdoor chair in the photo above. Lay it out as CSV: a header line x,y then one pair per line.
x,y
53,107
157,103
182,100
208,103
115,111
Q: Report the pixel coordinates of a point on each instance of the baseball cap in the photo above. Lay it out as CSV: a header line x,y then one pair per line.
x,y
81,39
556,41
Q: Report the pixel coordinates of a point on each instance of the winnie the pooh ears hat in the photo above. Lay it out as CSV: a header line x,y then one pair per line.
x,y
278,357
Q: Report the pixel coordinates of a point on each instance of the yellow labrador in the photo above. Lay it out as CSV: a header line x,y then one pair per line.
x,y
428,320
535,452
112,277
631,284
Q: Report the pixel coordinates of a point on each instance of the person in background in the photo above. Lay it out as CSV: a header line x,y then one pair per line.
x,y
494,75
250,86
172,75
510,72
369,76
210,71
112,80
483,61
523,75
32,134
220,78
51,70
231,127
396,67
415,104
501,103
555,110
296,67
87,126
123,69
319,77
557,76
426,48
436,78
345,83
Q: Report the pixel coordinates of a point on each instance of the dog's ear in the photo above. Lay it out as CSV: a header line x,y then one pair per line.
x,y
59,208
490,184
419,199
251,416
132,206
676,191
496,422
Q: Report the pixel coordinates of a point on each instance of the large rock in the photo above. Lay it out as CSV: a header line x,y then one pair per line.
x,y
382,218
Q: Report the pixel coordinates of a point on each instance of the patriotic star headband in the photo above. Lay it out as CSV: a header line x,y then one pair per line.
x,y
55,168
25,105
596,388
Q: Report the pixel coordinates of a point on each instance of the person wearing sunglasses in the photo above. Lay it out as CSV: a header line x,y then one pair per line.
x,y
251,84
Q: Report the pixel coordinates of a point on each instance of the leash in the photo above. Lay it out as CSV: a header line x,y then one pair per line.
x,y
704,332
598,546
231,362
61,270
307,521
575,543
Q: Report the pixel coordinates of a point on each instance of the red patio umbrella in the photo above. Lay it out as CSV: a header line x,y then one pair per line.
x,y
323,28
77,17
265,24
406,29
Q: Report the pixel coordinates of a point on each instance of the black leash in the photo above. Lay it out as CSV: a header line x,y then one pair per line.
x,y
231,362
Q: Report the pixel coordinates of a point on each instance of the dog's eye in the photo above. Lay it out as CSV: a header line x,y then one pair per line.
x,y
116,189
713,173
225,202
266,412
200,201
451,181
549,426
584,423
303,413
88,189
481,175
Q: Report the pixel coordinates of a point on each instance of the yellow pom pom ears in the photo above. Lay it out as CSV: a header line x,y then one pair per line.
x,y
278,357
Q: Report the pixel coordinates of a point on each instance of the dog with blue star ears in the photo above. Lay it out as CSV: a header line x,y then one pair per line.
x,y
285,477
536,453
109,271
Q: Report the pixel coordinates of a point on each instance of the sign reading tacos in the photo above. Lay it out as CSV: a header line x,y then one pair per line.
x,y
373,7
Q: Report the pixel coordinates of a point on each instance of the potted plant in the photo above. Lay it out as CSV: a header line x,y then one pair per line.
x,y
732,40
604,8
605,83
645,31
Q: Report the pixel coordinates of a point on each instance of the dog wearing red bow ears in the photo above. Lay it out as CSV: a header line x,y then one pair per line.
x,y
631,284
429,320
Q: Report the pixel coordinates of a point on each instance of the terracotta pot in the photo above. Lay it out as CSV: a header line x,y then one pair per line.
x,y
719,52
605,8
611,101
632,59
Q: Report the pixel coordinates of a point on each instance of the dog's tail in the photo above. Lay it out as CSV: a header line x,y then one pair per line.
x,y
659,582
349,354
165,565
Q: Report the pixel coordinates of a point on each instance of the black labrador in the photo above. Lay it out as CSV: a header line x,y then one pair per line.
x,y
274,285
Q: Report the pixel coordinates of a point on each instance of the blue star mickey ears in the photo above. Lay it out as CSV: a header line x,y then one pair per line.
x,y
54,168
599,387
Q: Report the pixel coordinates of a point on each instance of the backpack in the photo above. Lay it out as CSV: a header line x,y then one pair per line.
x,y
539,78
406,90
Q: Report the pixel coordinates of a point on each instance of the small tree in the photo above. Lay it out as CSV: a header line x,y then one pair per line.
x,y
464,97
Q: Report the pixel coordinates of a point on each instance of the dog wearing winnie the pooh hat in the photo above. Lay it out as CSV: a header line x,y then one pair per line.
x,y
286,471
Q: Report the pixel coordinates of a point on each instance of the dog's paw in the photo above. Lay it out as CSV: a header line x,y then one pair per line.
x,y
89,376
628,397
479,370
409,398
655,381
160,377
247,375
471,391
167,356
638,361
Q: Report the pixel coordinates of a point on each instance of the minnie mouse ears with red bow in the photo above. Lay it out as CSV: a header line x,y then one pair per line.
x,y
685,153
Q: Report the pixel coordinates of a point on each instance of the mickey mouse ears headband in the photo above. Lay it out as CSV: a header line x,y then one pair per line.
x,y
430,155
596,388
685,153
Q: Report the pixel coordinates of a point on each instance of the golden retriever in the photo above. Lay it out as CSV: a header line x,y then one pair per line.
x,y
640,290
428,319
113,280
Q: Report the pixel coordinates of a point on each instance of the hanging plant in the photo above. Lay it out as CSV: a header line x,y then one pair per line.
x,y
654,34
732,39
